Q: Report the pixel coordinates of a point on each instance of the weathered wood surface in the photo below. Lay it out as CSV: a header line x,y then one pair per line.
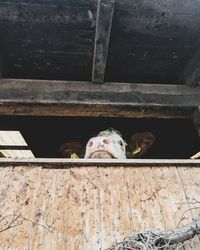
x,y
32,45
13,145
67,162
104,15
149,41
40,97
152,41
93,207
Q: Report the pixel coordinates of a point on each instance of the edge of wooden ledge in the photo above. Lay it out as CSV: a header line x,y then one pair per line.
x,y
66,163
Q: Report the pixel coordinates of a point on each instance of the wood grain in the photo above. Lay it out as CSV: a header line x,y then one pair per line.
x,y
93,207
64,98
104,15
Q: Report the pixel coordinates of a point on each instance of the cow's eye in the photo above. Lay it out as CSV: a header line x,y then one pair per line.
x,y
121,143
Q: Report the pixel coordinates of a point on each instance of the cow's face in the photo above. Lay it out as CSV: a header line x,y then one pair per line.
x,y
107,144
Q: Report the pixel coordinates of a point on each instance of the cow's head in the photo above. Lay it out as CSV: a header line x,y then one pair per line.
x,y
110,144
107,144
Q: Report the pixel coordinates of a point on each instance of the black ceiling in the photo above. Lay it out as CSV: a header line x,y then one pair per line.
x,y
150,41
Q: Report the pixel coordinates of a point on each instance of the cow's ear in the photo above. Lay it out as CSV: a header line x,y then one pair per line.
x,y
139,143
72,150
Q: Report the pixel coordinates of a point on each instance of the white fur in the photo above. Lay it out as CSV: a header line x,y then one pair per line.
x,y
113,149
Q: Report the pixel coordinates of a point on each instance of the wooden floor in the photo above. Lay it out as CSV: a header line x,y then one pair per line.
x,y
93,207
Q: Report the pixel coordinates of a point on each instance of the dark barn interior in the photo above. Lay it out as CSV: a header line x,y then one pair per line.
x,y
175,138
71,68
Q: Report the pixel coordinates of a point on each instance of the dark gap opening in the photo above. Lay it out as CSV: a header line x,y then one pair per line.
x,y
175,138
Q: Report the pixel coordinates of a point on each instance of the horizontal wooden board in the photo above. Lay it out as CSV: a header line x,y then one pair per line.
x,y
182,7
37,13
30,39
152,41
69,3
93,207
67,163
35,97
158,42
48,66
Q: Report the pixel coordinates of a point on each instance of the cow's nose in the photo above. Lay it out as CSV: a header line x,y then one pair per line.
x,y
106,141
103,141
98,142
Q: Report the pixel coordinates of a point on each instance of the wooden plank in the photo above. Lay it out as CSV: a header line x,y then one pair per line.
x,y
105,10
40,52
91,208
114,206
152,42
75,213
190,182
44,39
5,182
156,204
154,196
59,3
183,7
122,216
67,163
29,210
149,59
141,187
160,21
40,97
169,203
37,13
10,142
44,207
49,66
13,207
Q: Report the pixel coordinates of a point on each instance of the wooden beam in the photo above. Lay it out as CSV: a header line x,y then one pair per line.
x,y
69,163
105,9
62,98
48,13
191,72
13,145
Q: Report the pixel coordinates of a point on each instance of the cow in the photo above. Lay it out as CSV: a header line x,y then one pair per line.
x,y
109,144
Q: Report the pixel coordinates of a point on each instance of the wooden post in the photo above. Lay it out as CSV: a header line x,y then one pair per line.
x,y
105,9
